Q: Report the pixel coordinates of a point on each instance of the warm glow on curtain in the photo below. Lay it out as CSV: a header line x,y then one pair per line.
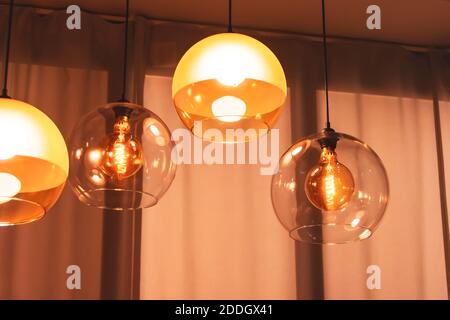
x,y
214,235
401,131
36,256
381,94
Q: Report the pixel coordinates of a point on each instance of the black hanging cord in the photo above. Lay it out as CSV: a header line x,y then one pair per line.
x,y
6,55
125,54
325,59
230,26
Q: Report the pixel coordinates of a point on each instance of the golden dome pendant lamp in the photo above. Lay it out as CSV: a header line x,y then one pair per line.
x,y
120,154
229,81
331,188
34,161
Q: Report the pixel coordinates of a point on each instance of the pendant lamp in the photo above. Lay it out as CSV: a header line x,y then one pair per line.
x,y
331,187
229,81
34,161
120,154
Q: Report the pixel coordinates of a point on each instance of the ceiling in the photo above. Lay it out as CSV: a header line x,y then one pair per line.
x,y
414,22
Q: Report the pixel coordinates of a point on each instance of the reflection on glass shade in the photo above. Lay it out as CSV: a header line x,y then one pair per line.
x,y
34,163
229,81
319,199
120,157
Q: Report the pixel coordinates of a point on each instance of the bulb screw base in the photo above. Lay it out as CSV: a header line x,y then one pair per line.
x,y
122,111
330,140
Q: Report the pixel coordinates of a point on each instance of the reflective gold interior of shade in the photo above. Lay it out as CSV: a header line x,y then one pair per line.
x,y
41,183
194,103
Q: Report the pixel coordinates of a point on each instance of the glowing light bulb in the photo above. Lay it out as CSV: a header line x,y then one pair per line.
x,y
329,185
122,156
9,186
231,63
6,153
231,78
228,108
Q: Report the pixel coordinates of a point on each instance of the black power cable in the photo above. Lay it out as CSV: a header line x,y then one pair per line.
x,y
6,55
325,57
125,54
230,25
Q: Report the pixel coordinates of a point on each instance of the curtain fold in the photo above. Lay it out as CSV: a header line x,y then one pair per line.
x,y
120,277
439,63
67,73
381,94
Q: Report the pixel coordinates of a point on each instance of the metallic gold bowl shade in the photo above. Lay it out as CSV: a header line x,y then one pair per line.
x,y
34,163
229,81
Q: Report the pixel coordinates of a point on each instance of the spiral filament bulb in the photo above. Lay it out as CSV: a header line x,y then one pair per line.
x,y
329,185
123,154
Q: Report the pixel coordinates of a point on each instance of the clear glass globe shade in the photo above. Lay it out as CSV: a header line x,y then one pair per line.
x,y
120,158
229,81
341,205
34,163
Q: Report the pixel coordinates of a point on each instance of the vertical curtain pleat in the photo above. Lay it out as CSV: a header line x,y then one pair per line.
x,y
67,73
440,79
380,94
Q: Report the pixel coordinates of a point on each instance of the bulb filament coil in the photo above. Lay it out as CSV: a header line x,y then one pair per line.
x,y
123,153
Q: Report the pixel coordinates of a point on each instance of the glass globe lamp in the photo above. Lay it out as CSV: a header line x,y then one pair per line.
x,y
229,81
34,163
331,188
120,158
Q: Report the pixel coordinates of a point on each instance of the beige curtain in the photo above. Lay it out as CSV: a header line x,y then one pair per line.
x,y
66,74
204,239
214,234
383,95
